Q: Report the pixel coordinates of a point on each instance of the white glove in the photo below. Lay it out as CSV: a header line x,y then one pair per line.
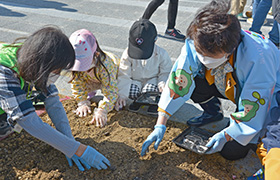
x,y
121,103
83,108
99,117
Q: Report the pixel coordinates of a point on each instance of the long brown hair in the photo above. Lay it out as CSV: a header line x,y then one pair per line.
x,y
46,50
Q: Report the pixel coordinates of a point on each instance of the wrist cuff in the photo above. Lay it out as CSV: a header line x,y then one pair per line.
x,y
97,110
160,113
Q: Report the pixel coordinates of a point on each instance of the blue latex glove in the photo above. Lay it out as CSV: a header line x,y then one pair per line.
x,y
156,136
216,143
90,158
78,161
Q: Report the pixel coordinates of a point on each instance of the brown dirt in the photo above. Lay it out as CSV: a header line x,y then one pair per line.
x,y
25,157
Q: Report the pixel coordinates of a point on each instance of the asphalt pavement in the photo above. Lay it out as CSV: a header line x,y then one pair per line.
x,y
110,20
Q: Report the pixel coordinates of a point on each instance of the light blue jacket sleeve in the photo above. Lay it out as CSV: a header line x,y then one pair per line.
x,y
58,115
257,69
32,124
62,138
180,83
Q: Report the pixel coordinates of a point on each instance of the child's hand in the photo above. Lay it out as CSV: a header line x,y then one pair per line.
x,y
99,117
83,108
121,103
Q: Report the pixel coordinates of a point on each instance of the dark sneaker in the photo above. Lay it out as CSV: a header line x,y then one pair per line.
x,y
204,119
152,110
174,34
5,130
134,107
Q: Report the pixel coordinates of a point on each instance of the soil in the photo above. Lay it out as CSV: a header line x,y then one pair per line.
x,y
25,157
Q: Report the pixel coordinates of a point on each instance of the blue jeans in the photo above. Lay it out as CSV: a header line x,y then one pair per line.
x,y
278,35
255,6
260,10
275,33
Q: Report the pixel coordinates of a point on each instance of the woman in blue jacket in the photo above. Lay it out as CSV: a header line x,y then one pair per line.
x,y
221,60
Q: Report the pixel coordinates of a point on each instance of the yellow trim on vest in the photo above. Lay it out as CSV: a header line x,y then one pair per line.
x,y
261,152
210,79
230,82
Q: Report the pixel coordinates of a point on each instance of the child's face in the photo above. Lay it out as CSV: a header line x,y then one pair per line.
x,y
54,75
93,63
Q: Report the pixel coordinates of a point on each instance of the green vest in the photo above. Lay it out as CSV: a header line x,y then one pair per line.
x,y
8,58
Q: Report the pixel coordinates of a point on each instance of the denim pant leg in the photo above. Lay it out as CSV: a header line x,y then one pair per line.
x,y
255,7
279,35
260,15
279,32
274,33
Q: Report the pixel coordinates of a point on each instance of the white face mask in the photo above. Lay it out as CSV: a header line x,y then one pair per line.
x,y
209,62
52,78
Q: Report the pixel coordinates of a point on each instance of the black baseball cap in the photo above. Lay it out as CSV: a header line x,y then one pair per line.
x,y
141,41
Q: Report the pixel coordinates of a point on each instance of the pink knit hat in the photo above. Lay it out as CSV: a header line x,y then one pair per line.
x,y
84,44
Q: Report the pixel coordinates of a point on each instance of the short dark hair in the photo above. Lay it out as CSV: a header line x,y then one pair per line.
x,y
214,30
46,50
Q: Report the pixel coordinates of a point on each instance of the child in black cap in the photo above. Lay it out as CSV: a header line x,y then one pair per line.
x,y
144,66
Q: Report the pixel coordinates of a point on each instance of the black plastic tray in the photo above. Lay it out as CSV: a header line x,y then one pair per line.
x,y
148,98
193,139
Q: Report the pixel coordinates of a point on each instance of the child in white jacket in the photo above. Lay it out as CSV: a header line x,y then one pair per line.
x,y
144,66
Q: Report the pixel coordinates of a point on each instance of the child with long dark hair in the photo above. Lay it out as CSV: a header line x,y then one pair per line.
x,y
93,69
37,63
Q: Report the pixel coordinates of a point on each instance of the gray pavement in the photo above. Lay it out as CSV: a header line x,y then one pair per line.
x,y
110,20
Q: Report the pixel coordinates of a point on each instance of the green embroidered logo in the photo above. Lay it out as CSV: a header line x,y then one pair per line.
x,y
250,108
179,83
